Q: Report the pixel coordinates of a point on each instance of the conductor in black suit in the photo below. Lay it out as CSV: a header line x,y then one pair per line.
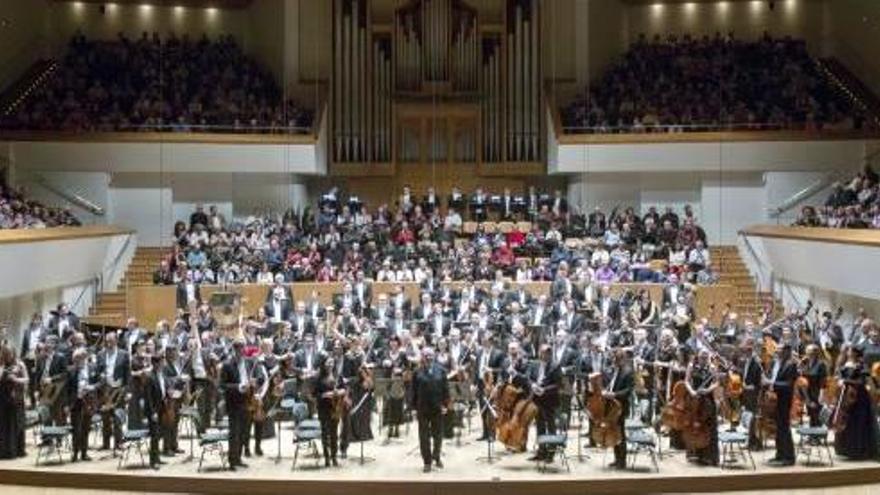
x,y
430,396
235,380
620,385
545,380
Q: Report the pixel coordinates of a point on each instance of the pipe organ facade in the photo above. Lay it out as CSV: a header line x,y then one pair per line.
x,y
437,56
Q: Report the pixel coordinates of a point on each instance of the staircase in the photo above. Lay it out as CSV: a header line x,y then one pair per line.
x,y
851,87
30,81
734,272
111,308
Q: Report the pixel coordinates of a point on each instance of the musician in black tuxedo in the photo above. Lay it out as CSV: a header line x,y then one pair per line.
x,y
154,399
63,322
431,398
815,371
752,372
607,306
363,292
31,343
546,378
783,373
278,308
80,383
347,298
565,357
114,373
521,296
425,309
188,293
620,386
300,322
438,324
488,364
398,300
234,380
52,369
541,313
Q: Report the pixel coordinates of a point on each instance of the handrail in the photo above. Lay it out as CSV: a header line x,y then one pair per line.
x,y
93,285
116,259
70,197
802,195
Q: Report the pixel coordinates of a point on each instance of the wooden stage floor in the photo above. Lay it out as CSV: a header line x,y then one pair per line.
x,y
396,468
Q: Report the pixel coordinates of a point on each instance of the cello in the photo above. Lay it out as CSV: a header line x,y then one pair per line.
x,y
604,414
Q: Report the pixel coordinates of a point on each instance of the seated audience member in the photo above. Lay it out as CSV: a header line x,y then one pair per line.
x,y
673,85
116,85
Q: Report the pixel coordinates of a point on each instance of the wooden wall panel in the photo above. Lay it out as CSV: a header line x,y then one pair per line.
x,y
149,304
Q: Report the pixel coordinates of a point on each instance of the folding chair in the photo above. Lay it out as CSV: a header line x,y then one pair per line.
x,y
131,439
555,444
735,443
815,439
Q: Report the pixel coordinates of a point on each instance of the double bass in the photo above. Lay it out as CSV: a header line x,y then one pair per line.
x,y
604,413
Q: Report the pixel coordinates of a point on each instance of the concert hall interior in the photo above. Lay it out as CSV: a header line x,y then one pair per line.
x,y
424,246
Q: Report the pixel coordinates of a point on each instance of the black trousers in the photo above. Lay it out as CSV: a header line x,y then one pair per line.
x,y
237,432
155,436
784,442
254,430
33,381
329,436
430,435
81,424
169,435
110,428
620,448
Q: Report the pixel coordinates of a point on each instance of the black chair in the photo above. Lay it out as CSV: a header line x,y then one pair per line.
x,y
131,439
814,439
53,439
554,444
213,442
306,431
735,443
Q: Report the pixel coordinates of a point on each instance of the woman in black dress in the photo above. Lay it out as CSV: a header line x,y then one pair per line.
x,y
394,363
13,382
857,440
329,391
357,428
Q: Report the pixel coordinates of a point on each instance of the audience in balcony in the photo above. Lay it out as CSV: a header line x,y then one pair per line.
x,y
178,85
711,83
19,212
403,247
853,205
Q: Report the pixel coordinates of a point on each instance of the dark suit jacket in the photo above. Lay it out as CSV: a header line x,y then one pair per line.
x,y
121,370
286,307
551,382
623,387
229,380
181,295
55,321
430,390
308,323
153,396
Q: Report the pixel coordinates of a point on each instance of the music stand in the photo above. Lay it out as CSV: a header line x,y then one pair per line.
x,y
489,458
380,392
